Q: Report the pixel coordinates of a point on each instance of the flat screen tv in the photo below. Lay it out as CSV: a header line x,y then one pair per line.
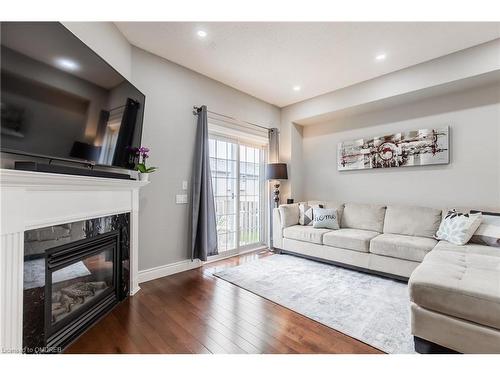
x,y
61,101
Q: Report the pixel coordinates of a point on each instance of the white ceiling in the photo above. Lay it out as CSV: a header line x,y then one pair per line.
x,y
267,59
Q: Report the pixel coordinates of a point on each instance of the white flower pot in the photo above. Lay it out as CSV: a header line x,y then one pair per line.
x,y
143,176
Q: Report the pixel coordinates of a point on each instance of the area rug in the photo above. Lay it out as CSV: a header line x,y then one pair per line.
x,y
369,308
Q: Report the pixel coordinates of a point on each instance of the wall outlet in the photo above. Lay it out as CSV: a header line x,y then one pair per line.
x,y
181,199
184,185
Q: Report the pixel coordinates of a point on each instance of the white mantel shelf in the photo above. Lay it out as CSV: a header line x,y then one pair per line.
x,y
29,180
31,200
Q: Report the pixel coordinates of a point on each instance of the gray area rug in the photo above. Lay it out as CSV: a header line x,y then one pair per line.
x,y
370,308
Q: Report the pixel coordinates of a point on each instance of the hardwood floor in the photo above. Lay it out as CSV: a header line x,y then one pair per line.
x,y
195,312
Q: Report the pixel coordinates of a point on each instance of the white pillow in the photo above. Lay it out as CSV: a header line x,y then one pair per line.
x,y
457,228
325,218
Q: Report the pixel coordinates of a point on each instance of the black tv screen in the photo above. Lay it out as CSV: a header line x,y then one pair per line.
x,y
60,100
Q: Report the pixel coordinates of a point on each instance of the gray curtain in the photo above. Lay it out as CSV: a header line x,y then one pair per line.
x,y
274,146
273,157
203,223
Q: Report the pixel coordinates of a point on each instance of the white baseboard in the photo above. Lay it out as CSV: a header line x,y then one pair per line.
x,y
216,258
168,269
183,265
135,290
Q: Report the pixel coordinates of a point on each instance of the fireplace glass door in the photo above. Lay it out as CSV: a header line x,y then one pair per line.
x,y
80,279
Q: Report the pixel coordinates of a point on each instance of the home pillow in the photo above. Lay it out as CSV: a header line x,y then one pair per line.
x,y
306,213
488,232
457,227
314,206
325,218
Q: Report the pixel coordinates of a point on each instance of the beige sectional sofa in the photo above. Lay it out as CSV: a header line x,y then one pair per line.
x,y
454,290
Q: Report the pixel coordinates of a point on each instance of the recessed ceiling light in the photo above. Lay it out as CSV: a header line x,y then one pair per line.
x,y
380,57
296,88
67,64
202,33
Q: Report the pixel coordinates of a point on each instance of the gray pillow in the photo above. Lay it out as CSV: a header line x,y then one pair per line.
x,y
306,213
325,218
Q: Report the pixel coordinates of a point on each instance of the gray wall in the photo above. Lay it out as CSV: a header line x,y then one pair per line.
x,y
454,70
169,130
471,179
107,41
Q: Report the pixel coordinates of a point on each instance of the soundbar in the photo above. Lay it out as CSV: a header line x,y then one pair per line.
x,y
33,166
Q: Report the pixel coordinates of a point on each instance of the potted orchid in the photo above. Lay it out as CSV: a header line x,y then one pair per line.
x,y
143,153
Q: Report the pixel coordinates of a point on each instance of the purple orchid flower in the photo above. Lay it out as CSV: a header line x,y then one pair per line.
x,y
143,155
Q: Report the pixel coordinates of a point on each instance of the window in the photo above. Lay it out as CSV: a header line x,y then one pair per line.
x,y
237,181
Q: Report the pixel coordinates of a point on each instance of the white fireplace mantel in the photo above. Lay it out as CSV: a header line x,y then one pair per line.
x,y
31,200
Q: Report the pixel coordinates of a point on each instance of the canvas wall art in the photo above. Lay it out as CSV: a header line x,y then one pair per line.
x,y
412,148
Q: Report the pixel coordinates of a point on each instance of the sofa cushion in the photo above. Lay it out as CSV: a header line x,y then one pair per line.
x,y
305,233
412,221
289,214
469,248
352,239
401,246
462,285
363,216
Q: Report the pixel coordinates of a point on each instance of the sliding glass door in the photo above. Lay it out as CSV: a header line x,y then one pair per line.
x,y
237,179
224,167
250,195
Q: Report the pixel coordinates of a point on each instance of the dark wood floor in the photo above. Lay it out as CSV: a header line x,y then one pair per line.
x,y
195,312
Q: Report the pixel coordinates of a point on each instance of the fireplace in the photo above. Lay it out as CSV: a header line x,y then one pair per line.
x,y
73,275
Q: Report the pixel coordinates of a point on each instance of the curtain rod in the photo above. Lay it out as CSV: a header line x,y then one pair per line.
x,y
197,109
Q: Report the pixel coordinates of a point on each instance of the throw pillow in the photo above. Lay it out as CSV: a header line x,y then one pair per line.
x,y
488,232
457,227
313,207
305,214
325,218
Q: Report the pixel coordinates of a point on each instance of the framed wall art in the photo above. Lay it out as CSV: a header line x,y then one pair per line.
x,y
405,149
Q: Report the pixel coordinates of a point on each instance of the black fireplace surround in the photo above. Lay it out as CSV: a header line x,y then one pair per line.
x,y
74,274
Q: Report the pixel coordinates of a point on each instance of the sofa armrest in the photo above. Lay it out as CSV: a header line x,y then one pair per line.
x,y
277,229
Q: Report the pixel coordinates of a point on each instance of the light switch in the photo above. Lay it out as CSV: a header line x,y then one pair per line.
x,y
184,185
181,199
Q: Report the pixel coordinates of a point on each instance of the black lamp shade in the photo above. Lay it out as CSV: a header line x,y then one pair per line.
x,y
276,171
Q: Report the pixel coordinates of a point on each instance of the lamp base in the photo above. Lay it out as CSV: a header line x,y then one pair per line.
x,y
276,193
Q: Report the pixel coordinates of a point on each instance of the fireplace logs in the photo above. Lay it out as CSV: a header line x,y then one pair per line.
x,y
75,294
